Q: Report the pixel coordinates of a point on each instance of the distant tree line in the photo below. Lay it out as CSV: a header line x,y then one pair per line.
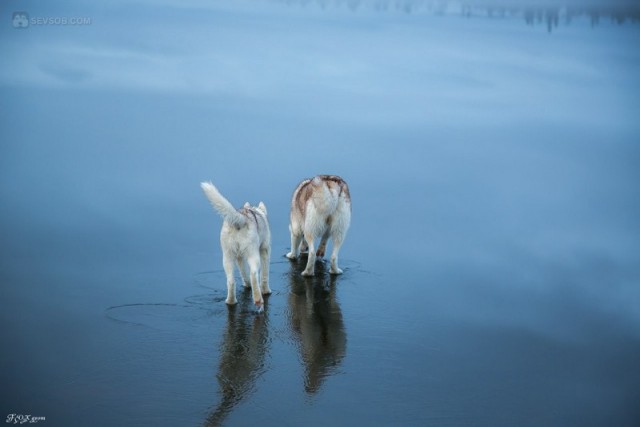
x,y
552,13
548,12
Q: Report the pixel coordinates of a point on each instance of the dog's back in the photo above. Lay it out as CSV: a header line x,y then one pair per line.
x,y
248,225
319,200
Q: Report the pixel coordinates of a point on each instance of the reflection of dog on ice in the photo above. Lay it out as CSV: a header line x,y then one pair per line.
x,y
316,323
320,207
20,19
246,241
245,344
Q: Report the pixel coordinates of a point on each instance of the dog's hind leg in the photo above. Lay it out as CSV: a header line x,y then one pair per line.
x,y
265,255
311,260
322,247
337,242
244,272
227,264
254,266
339,227
296,238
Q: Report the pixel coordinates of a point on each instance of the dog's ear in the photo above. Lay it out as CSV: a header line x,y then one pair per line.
x,y
247,205
262,207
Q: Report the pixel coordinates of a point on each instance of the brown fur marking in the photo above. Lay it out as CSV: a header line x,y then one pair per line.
x,y
341,183
247,211
303,195
304,190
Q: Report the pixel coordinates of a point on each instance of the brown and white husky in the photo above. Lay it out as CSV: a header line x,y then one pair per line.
x,y
320,207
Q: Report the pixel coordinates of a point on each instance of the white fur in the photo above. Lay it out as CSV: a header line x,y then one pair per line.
x,y
246,241
319,208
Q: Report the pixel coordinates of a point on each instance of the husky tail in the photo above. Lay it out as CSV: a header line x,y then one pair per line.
x,y
222,205
334,191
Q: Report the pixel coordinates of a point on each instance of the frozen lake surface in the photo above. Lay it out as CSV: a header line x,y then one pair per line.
x,y
492,270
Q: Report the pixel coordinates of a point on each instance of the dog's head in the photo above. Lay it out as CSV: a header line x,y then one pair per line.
x,y
261,207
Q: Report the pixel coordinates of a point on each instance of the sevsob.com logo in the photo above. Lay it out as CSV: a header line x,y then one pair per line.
x,y
20,20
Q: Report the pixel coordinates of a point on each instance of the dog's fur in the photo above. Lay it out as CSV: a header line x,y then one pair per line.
x,y
246,241
320,207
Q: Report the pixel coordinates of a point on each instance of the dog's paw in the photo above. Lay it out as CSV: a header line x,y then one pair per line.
x,y
291,255
335,271
307,273
231,301
247,285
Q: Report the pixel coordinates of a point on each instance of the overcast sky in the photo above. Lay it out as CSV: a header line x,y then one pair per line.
x,y
268,51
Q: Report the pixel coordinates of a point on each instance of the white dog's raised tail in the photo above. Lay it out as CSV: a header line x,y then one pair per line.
x,y
222,205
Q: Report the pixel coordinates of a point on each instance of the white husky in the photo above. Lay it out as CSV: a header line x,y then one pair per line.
x,y
246,240
320,207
